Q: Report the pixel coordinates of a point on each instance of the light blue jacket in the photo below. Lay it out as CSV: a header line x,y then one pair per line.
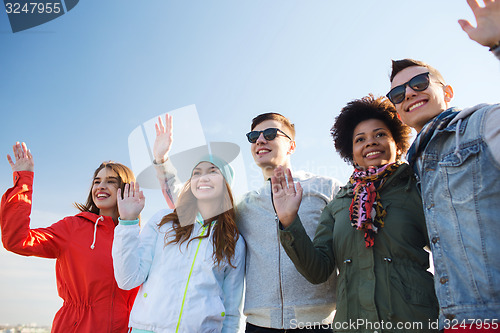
x,y
276,295
460,182
181,288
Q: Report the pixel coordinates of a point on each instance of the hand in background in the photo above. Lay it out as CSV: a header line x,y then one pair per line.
x,y
487,32
132,203
286,198
23,158
164,139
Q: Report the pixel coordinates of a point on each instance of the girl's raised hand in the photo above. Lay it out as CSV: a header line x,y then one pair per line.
x,y
23,158
132,203
164,139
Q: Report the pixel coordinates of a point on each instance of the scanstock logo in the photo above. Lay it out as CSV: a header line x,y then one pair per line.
x,y
26,14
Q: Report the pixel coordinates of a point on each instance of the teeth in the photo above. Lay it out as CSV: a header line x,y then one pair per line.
x,y
263,151
204,187
415,106
102,195
372,153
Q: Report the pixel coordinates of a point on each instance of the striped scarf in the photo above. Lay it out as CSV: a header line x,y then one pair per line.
x,y
437,123
366,212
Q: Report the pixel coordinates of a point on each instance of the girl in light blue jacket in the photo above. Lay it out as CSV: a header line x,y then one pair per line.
x,y
188,261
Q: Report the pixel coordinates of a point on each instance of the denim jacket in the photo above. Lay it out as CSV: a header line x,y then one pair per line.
x,y
461,197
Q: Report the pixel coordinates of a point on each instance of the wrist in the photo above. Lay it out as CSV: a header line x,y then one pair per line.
x,y
160,160
126,221
287,220
495,46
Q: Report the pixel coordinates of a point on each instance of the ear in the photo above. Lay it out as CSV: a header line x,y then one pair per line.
x,y
448,93
291,149
399,153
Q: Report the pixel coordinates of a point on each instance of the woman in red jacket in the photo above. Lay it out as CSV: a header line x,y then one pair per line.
x,y
81,244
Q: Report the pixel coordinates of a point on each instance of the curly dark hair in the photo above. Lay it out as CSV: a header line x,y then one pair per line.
x,y
363,109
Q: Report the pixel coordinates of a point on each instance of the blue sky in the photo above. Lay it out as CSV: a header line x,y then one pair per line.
x,y
76,87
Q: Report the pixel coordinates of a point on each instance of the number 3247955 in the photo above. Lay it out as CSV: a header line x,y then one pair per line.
x,y
33,7
468,323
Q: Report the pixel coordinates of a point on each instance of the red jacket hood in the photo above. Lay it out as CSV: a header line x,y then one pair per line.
x,y
94,217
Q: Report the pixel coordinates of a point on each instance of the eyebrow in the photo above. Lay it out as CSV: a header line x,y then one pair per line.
x,y
211,167
375,130
112,177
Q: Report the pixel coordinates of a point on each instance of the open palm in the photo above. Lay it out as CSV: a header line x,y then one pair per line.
x,y
286,195
132,203
23,158
487,31
164,139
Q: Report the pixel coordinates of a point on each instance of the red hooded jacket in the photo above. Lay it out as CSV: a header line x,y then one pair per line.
x,y
84,267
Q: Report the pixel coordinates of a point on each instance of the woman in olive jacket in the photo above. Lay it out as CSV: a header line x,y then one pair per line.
x,y
373,232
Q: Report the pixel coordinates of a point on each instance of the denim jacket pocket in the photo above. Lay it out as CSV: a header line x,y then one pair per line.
x,y
460,157
462,173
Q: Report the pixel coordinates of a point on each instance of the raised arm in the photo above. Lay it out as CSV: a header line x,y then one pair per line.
x,y
487,31
164,139
165,171
133,250
313,259
15,213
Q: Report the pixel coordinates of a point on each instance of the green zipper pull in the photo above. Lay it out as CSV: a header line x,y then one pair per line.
x,y
189,277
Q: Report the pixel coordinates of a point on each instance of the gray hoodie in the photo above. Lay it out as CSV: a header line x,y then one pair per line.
x,y
277,295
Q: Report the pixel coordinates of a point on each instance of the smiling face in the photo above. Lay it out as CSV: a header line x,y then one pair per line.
x,y
270,154
373,144
418,107
104,190
207,182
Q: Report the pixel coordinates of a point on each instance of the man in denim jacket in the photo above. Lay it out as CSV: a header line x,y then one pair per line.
x,y
457,157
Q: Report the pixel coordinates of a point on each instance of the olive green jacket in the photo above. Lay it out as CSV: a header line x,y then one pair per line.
x,y
385,285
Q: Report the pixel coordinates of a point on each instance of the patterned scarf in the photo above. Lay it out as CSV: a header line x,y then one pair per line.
x,y
437,123
366,211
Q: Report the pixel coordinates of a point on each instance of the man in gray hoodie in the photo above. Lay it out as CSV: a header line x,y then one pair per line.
x,y
277,297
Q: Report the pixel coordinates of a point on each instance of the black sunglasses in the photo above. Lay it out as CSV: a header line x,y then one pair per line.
x,y
269,134
419,82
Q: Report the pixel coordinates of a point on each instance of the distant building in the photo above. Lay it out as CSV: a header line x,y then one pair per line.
x,y
24,328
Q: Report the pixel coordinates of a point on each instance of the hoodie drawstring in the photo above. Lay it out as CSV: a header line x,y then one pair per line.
x,y
388,279
347,264
95,231
457,139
